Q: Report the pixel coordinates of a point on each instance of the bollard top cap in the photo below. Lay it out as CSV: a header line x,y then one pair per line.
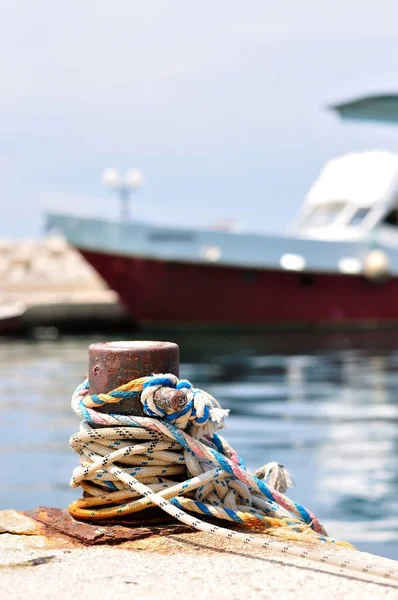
x,y
139,345
112,364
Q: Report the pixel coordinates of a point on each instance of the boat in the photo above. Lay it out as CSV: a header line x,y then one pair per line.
x,y
337,266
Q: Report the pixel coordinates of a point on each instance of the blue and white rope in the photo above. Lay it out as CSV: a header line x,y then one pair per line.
x,y
150,451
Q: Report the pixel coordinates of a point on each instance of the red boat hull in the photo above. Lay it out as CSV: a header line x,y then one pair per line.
x,y
170,292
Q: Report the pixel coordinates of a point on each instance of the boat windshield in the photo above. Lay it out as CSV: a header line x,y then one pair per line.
x,y
359,216
324,214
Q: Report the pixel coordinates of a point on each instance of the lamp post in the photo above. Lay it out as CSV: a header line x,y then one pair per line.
x,y
123,186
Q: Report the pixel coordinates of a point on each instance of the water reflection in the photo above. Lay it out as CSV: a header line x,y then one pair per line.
x,y
325,406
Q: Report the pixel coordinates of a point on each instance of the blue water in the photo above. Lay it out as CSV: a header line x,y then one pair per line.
x,y
325,406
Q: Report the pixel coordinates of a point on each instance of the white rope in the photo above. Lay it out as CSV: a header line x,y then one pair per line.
x,y
149,453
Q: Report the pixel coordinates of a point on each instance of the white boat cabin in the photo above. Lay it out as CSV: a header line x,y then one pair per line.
x,y
355,195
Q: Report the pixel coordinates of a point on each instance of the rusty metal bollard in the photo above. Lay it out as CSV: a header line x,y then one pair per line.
x,y
112,364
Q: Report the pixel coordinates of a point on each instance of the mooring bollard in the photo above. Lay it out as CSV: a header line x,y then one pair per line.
x,y
112,364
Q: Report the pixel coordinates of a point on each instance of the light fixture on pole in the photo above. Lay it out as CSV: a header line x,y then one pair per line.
x,y
124,186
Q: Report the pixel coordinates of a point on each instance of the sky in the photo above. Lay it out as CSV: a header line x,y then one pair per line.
x,y
222,104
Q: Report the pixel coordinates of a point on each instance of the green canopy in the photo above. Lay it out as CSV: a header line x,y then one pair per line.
x,y
370,108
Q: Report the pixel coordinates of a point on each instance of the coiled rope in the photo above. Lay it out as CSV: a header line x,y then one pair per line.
x,y
174,459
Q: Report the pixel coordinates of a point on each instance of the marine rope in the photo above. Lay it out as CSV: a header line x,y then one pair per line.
x,y
174,458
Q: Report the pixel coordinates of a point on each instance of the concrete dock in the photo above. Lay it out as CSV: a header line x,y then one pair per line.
x,y
167,565
46,283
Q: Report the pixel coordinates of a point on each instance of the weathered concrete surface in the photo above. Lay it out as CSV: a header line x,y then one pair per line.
x,y
192,565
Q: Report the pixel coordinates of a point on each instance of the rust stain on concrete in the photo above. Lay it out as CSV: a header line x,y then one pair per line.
x,y
55,523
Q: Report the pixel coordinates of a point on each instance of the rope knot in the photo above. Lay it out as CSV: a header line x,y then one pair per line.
x,y
178,402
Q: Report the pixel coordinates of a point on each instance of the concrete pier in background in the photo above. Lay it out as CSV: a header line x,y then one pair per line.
x,y
46,283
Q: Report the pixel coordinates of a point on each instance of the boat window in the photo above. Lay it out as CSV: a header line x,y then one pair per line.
x,y
325,214
359,216
391,218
